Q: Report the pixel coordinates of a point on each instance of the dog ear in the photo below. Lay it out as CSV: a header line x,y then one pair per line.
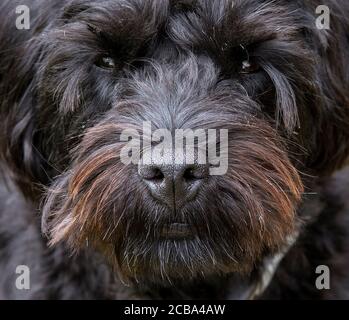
x,y
19,135
329,139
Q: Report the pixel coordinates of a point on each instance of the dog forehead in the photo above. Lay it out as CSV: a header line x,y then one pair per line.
x,y
234,22
219,24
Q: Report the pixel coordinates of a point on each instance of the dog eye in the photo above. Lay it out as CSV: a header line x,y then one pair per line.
x,y
248,66
105,62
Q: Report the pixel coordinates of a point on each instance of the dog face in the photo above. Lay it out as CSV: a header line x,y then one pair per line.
x,y
249,67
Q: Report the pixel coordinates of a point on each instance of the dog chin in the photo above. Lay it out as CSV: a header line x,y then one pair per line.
x,y
176,259
175,272
184,269
188,272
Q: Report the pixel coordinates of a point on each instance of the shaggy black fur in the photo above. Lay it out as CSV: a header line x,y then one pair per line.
x,y
88,69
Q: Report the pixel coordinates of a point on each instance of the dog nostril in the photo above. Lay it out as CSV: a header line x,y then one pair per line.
x,y
156,175
151,174
190,175
195,173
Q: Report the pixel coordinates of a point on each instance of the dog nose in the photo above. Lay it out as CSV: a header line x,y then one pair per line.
x,y
174,184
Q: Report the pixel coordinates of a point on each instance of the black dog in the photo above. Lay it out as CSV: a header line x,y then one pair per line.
x,y
88,70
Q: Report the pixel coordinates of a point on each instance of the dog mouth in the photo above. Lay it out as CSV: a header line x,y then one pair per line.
x,y
177,231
